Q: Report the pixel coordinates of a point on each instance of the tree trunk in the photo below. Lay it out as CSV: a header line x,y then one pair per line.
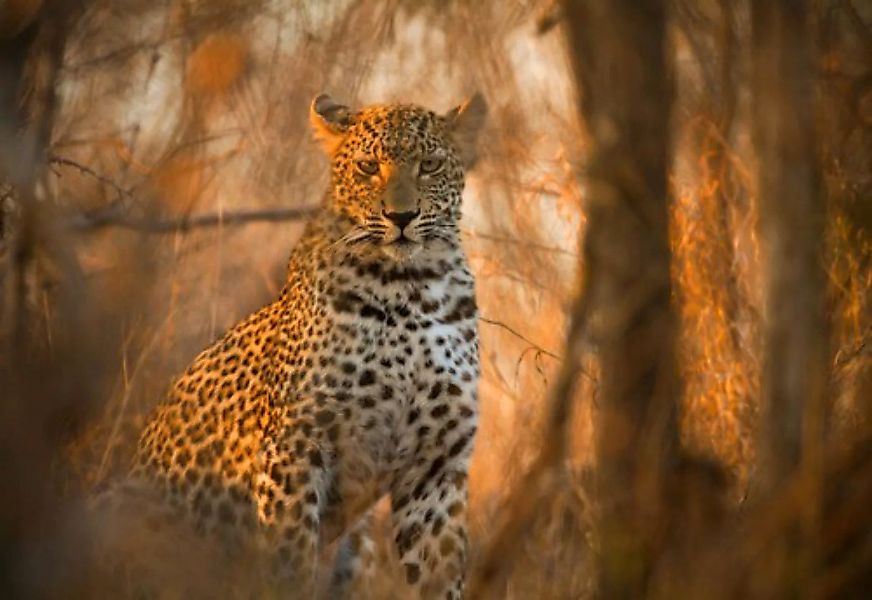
x,y
792,214
792,232
618,51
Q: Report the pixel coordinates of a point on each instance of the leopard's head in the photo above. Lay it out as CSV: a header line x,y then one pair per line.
x,y
398,170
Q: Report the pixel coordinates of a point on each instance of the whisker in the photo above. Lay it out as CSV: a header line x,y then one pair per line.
x,y
360,236
351,237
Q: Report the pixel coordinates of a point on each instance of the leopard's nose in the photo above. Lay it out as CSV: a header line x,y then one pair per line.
x,y
401,219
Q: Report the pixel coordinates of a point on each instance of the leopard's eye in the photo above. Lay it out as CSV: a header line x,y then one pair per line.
x,y
367,167
429,166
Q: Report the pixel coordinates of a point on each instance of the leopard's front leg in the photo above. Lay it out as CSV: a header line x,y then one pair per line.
x,y
289,493
429,500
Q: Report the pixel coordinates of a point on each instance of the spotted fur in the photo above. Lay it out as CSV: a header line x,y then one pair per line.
x,y
358,381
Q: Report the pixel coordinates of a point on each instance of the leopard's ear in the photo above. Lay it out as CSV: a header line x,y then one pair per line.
x,y
465,123
330,121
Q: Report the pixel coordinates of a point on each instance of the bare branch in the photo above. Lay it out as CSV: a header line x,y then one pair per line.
x,y
159,226
68,162
477,235
112,217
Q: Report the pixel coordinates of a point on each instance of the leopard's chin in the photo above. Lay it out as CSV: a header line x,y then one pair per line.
x,y
402,250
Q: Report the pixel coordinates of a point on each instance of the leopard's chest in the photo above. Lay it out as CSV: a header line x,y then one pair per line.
x,y
387,345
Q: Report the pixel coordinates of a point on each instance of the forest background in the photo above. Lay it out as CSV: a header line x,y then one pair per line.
x,y
670,229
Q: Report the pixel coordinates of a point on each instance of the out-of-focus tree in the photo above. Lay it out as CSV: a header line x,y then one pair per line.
x,y
792,231
619,56
791,207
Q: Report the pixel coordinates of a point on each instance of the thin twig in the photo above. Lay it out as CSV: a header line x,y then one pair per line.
x,y
68,162
846,356
521,506
534,345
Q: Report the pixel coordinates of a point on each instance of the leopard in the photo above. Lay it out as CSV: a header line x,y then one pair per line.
x,y
358,383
